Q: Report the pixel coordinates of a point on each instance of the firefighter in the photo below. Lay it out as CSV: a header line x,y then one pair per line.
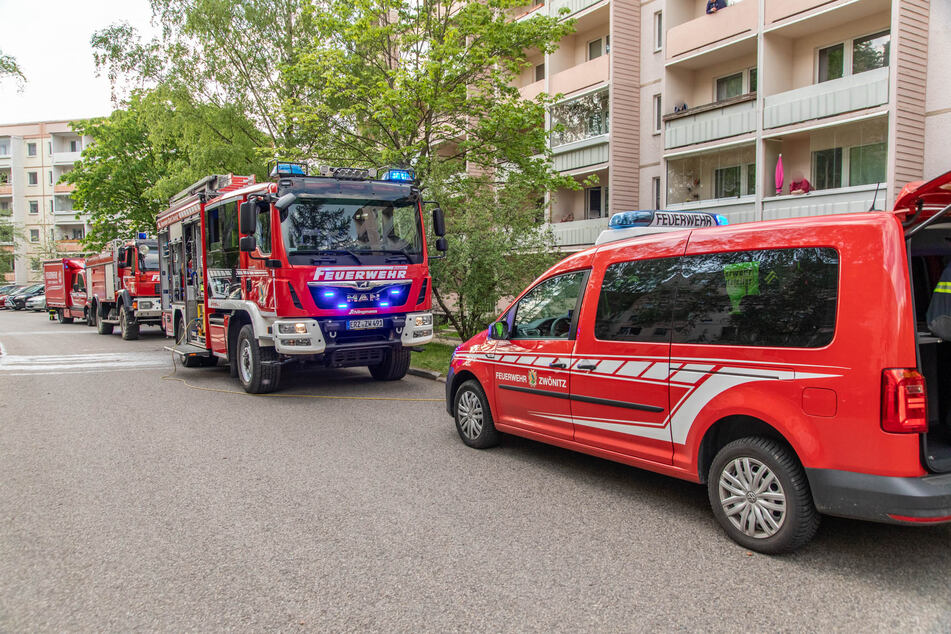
x,y
939,310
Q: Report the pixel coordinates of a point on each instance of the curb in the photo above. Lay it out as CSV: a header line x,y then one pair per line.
x,y
427,374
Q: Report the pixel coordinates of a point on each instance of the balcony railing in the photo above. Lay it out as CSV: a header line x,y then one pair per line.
x,y
593,151
63,188
573,5
736,210
824,201
734,20
69,246
590,73
781,9
6,190
532,90
838,96
579,233
710,122
65,158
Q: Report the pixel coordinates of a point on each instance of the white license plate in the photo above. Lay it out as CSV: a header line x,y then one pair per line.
x,y
364,324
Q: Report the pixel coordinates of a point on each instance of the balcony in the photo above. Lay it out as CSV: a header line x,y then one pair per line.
x,y
64,188
6,190
793,18
816,101
586,153
532,90
736,210
573,6
65,158
590,73
843,200
713,121
573,236
732,23
777,10
69,246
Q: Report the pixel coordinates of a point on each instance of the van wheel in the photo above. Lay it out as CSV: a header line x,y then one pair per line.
x,y
761,497
394,366
62,318
258,369
103,328
127,325
473,417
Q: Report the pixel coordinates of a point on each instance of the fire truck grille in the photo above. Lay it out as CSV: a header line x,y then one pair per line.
x,y
351,357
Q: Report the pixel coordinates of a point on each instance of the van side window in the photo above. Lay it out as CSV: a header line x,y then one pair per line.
x,y
546,311
778,297
636,301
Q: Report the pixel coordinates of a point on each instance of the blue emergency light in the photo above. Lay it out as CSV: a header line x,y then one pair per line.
x,y
288,169
403,175
664,218
143,235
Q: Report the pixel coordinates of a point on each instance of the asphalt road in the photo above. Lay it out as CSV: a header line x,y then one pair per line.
x,y
129,501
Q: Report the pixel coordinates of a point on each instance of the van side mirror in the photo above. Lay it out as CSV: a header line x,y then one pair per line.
x,y
247,218
439,223
442,245
247,244
499,330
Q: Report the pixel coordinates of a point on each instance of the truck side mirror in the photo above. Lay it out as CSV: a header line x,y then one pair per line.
x,y
285,201
439,223
247,218
247,244
442,245
499,330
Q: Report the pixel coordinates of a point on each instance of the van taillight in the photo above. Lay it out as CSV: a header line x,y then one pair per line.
x,y
904,401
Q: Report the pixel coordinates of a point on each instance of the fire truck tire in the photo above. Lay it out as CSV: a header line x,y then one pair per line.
x,y
62,318
394,366
761,497
127,325
89,315
470,409
258,370
103,328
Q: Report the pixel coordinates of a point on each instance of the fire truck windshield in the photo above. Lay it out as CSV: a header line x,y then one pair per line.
x,y
352,231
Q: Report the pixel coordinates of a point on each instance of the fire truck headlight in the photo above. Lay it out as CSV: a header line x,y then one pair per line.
x,y
424,320
298,328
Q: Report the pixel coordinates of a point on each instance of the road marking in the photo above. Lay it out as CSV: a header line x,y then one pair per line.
x,y
19,365
26,333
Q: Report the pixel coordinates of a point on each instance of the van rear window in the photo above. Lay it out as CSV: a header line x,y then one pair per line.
x,y
776,298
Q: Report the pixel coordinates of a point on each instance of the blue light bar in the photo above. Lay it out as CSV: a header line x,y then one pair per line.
x,y
399,175
663,218
288,169
722,220
143,235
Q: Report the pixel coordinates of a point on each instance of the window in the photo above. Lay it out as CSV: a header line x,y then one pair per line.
x,y
870,52
599,47
655,192
34,206
658,114
32,178
31,149
593,208
262,231
726,182
831,62
730,86
546,311
34,235
6,234
540,72
779,298
867,164
658,30
827,168
580,119
49,148
51,206
636,300
51,177
4,149
752,80
74,146
751,179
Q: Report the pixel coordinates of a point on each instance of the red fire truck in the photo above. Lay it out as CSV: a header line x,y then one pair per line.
x,y
65,282
330,268
123,287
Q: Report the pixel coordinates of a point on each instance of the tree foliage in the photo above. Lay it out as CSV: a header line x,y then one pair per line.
x,y
10,68
143,154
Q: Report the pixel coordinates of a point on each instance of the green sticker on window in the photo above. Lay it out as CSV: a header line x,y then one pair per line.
x,y
742,279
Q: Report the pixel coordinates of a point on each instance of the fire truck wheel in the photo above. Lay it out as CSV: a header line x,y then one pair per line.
x,y
90,316
103,328
761,497
258,369
62,318
394,366
470,409
127,325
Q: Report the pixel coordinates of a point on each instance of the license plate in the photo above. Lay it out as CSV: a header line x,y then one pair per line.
x,y
364,324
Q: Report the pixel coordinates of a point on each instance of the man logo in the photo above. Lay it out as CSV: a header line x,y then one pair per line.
x,y
532,378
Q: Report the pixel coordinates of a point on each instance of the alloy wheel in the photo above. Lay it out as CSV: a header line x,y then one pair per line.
x,y
470,415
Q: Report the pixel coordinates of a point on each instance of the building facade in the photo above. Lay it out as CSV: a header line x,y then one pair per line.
x,y
668,106
38,219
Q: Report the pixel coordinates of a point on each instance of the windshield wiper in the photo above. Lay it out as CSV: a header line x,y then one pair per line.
x,y
329,252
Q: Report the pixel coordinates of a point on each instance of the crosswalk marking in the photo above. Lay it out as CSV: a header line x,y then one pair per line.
x,y
15,365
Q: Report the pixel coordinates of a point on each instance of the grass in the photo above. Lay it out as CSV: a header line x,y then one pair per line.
x,y
435,357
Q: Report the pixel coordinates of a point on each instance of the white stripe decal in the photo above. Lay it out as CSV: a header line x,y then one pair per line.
x,y
687,410
509,358
608,366
658,371
633,368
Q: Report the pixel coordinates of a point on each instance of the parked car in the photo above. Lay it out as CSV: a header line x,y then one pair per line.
x,y
18,301
783,364
6,292
36,303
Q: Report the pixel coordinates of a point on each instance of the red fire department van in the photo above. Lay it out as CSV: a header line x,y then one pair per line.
x,y
329,269
65,282
796,367
123,287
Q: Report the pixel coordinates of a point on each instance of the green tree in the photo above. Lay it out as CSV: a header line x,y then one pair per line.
x,y
430,84
143,154
10,68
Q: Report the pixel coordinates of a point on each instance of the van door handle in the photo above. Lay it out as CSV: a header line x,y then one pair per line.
x,y
586,365
557,364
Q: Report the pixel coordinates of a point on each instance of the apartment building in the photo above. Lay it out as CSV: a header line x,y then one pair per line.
x,y
38,218
668,106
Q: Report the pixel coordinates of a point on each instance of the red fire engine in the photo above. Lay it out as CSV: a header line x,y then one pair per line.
x,y
65,281
330,269
123,287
